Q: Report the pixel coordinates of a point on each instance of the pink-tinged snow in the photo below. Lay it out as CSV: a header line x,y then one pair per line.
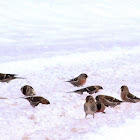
x,y
64,117
49,42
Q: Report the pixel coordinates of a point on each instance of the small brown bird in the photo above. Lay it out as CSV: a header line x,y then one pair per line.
x,y
90,90
90,106
35,100
8,77
27,90
79,81
108,100
127,96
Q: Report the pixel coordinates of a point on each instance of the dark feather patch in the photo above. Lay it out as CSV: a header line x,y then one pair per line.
x,y
24,90
99,106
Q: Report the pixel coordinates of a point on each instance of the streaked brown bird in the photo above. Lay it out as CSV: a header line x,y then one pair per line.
x,y
90,106
27,90
35,100
8,77
127,96
108,100
90,90
78,81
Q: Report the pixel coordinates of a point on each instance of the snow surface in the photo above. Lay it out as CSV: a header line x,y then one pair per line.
x,y
49,42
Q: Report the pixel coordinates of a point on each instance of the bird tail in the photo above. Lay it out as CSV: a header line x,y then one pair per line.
x,y
23,97
15,98
20,78
3,98
78,92
70,92
120,102
67,81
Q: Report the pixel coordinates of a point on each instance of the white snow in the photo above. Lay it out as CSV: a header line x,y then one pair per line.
x,y
49,42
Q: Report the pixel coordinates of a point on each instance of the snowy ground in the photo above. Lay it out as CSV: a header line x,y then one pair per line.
x,y
48,42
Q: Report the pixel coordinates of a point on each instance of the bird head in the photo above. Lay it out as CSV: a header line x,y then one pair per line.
x,y
100,87
83,75
97,98
44,101
124,88
89,99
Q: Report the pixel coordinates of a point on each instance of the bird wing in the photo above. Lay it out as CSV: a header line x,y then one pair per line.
x,y
132,96
33,104
80,91
34,101
74,79
98,106
10,75
85,107
24,89
112,99
90,89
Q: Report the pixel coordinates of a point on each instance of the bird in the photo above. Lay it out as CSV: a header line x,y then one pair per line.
x,y
8,77
79,80
35,100
127,96
27,90
90,90
108,100
90,106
